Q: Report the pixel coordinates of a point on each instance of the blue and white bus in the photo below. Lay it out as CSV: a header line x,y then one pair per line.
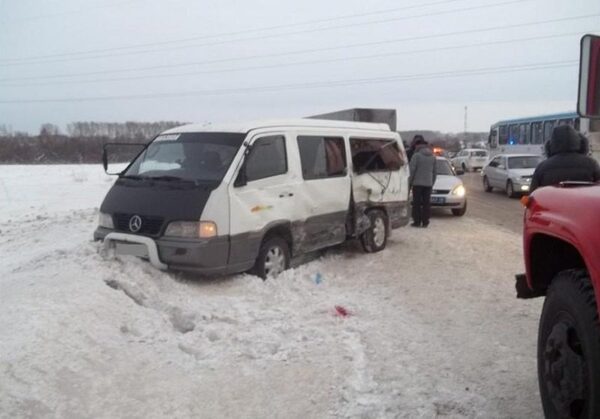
x,y
528,135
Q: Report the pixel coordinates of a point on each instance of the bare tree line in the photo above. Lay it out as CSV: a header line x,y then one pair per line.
x,y
82,143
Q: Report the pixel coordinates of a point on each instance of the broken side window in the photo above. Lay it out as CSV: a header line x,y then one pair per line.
x,y
373,155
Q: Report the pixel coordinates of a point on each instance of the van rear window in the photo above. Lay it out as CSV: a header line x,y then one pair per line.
x,y
372,155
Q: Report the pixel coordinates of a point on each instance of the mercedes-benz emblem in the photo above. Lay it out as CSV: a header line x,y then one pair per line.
x,y
135,223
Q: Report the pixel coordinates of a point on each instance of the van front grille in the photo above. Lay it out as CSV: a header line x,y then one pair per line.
x,y
151,226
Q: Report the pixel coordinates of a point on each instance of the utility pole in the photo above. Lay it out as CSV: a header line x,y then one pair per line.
x,y
466,119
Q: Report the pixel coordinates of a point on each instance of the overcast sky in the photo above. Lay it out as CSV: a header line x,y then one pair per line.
x,y
199,61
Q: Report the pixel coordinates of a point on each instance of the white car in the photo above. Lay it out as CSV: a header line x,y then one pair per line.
x,y
448,191
511,173
470,159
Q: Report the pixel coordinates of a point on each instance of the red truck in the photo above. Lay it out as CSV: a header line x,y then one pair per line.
x,y
562,259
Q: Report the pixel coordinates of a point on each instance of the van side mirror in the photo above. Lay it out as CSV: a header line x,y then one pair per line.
x,y
116,157
588,98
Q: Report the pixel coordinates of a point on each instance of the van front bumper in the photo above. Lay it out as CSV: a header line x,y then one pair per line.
x,y
204,256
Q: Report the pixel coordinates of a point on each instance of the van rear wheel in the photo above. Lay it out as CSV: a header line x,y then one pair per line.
x,y
375,238
273,258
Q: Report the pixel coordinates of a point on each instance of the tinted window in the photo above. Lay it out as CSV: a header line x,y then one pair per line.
x,y
478,153
322,157
537,133
548,127
513,135
442,167
565,122
495,162
503,135
375,155
523,162
524,134
267,158
493,138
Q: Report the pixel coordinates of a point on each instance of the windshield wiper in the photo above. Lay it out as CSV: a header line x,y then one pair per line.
x,y
168,178
134,177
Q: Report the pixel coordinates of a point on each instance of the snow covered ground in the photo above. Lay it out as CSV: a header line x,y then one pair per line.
x,y
434,328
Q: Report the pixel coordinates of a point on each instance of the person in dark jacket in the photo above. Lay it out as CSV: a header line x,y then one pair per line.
x,y
567,160
417,139
422,177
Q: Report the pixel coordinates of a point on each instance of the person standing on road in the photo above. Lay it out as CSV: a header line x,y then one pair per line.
x,y
422,178
567,160
417,139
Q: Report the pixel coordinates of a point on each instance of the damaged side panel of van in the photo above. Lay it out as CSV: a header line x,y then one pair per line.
x,y
380,180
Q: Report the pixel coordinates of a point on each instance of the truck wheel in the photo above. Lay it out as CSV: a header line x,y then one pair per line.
x,y
459,212
486,184
510,190
569,348
375,237
273,258
464,167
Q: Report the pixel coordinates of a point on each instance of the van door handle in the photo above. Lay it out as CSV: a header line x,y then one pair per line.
x,y
286,195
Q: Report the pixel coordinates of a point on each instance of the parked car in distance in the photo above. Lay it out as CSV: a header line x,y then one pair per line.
x,y
448,191
511,173
470,159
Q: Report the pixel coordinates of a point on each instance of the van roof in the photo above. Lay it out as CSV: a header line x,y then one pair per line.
x,y
300,123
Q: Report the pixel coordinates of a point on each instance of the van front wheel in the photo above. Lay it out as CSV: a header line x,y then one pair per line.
x,y
375,238
273,258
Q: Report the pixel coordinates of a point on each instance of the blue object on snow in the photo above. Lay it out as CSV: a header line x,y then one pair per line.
x,y
318,278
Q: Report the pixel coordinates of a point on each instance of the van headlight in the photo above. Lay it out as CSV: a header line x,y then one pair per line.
x,y
105,220
459,190
192,229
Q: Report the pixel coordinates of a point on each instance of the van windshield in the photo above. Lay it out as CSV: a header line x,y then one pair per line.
x,y
202,156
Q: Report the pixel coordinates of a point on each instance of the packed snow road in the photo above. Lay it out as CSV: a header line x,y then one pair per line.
x,y
493,208
433,327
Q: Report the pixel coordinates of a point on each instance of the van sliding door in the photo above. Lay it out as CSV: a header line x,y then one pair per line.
x,y
325,192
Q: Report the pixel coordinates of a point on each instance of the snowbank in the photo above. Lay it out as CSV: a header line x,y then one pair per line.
x,y
433,329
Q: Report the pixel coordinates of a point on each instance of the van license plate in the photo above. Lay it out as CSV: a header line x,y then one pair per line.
x,y
438,200
132,249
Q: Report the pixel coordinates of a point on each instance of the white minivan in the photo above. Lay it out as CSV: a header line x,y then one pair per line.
x,y
231,199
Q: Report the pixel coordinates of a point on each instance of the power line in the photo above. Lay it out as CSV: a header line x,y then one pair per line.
x,y
298,63
309,85
307,51
254,30
69,12
48,58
